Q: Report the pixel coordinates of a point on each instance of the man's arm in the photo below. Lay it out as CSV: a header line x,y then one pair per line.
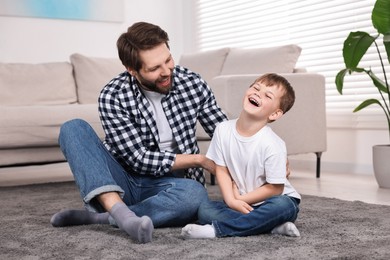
x,y
210,113
185,161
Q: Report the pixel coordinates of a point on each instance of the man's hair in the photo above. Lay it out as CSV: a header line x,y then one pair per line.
x,y
139,37
288,98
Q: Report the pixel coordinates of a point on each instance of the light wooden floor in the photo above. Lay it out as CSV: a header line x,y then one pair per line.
x,y
333,185
342,186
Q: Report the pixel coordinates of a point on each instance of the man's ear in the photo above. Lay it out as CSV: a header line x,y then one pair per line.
x,y
276,115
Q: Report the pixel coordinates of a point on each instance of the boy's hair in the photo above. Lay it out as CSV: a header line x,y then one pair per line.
x,y
139,36
288,98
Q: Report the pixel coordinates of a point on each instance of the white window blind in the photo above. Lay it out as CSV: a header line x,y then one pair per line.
x,y
318,26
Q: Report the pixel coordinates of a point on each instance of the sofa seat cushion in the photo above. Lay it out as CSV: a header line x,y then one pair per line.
x,y
30,155
38,126
279,59
92,74
37,84
207,63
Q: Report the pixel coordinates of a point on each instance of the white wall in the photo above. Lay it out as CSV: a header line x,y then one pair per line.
x,y
35,40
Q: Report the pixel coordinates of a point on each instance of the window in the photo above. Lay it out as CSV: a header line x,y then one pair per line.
x,y
318,26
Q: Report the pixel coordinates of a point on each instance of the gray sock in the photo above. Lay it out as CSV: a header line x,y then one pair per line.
x,y
76,217
138,228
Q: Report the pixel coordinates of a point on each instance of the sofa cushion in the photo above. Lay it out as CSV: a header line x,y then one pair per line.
x,y
92,74
39,126
208,63
280,59
37,84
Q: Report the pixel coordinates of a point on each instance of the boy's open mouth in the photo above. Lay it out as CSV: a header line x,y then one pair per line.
x,y
254,102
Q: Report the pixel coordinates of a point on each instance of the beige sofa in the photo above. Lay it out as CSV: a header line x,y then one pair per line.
x,y
37,98
230,71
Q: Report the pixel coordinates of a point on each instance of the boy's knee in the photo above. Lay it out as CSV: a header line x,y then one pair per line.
x,y
285,203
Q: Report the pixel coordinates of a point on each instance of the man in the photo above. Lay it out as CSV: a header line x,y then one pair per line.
x,y
148,172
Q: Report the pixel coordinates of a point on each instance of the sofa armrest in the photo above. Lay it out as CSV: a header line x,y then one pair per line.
x,y
303,128
299,70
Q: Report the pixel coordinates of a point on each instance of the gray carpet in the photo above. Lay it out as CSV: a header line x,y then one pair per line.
x,y
330,229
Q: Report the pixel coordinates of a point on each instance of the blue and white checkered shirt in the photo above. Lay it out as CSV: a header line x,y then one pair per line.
x,y
131,131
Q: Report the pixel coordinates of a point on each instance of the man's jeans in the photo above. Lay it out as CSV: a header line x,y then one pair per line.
x,y
168,201
227,222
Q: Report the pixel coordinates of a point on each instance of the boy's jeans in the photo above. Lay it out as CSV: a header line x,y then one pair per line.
x,y
227,222
168,201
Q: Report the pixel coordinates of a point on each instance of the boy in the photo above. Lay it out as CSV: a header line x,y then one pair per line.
x,y
251,169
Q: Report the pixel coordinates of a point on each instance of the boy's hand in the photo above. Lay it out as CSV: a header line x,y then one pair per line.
x,y
240,206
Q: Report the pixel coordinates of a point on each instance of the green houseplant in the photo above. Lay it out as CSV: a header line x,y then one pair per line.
x,y
355,47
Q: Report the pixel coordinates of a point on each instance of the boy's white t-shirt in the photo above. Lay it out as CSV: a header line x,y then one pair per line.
x,y
252,161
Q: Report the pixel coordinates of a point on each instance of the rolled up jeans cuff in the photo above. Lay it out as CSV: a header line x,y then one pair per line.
x,y
93,205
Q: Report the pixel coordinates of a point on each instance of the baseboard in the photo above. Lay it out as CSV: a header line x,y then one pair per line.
x,y
334,167
33,174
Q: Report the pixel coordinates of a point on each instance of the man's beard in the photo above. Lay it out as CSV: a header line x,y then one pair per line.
x,y
152,86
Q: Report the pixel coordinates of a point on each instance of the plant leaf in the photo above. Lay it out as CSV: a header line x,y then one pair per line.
x,y
340,80
367,103
380,84
355,46
341,75
386,42
381,16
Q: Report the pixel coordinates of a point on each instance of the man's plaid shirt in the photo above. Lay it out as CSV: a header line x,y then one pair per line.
x,y
131,131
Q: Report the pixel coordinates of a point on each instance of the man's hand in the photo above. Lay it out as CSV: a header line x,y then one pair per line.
x,y
208,164
288,169
185,161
